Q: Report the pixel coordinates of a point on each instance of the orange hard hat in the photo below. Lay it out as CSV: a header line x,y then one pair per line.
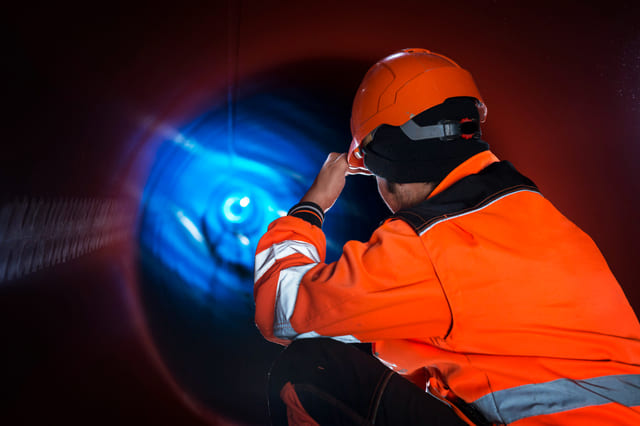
x,y
401,86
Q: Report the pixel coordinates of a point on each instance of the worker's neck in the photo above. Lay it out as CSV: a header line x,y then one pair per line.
x,y
399,196
411,194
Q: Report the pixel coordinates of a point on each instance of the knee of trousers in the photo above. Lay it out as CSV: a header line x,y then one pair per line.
x,y
338,369
334,375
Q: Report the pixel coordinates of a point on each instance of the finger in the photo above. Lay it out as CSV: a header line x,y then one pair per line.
x,y
342,160
332,157
336,157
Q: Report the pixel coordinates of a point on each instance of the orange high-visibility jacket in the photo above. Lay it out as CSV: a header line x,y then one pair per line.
x,y
504,304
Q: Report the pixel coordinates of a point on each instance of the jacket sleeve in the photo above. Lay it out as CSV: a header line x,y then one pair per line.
x,y
385,288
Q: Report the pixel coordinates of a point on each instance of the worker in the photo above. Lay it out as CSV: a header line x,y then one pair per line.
x,y
483,304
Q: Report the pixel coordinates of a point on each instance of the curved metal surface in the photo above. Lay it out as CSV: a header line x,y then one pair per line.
x,y
95,99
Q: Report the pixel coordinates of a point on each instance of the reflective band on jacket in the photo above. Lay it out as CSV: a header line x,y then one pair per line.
x,y
267,258
510,405
288,285
286,295
313,335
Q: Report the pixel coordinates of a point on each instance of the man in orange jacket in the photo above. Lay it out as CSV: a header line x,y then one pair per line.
x,y
477,289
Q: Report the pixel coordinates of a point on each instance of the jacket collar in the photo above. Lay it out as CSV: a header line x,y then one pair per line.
x,y
471,166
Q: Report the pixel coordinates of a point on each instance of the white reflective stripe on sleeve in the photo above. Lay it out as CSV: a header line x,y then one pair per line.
x,y
286,295
266,258
344,339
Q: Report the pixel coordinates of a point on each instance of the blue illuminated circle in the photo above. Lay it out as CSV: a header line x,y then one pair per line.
x,y
236,208
210,198
206,205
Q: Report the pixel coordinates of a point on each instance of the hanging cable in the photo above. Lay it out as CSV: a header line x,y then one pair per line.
x,y
233,37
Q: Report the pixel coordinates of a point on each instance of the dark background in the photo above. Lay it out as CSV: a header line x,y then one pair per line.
x,y
561,81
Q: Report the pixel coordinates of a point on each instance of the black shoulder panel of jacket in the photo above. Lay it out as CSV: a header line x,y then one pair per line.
x,y
469,193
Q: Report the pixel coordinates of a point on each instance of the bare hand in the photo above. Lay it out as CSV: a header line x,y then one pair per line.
x,y
330,181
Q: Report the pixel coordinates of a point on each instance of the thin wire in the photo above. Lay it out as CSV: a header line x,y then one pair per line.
x,y
233,36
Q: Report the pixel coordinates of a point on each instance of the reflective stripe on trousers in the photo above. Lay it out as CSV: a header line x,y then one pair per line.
x,y
510,405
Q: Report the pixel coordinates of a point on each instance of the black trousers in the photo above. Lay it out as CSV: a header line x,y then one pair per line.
x,y
338,384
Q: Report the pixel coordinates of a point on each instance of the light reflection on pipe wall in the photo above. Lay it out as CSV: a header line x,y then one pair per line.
x,y
38,233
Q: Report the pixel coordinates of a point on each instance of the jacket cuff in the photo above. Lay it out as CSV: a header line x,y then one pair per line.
x,y
311,212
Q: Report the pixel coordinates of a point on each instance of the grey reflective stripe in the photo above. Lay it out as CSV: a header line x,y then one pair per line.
x,y
313,335
286,297
510,405
415,132
268,257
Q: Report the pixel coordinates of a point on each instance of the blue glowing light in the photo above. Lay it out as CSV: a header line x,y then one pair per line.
x,y
235,209
207,203
190,226
244,240
223,197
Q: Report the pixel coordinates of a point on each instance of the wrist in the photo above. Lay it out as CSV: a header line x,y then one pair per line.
x,y
318,198
316,201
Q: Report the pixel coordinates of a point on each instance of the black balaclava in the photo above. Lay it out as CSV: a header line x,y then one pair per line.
x,y
397,158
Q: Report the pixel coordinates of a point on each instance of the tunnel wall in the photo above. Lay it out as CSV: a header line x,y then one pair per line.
x,y
90,95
